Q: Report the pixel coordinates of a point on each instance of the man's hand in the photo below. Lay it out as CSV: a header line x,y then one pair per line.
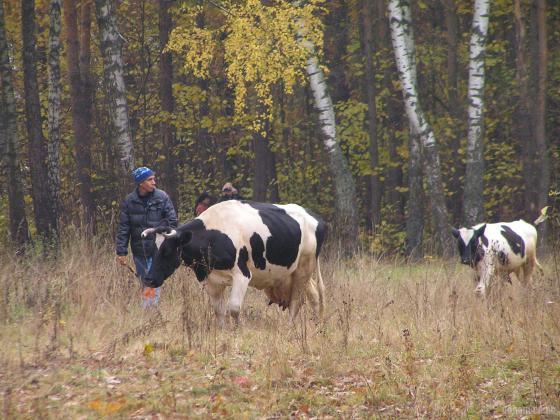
x,y
122,260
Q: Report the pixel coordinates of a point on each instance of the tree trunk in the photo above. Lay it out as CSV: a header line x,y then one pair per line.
x,y
455,109
9,152
260,179
403,44
204,138
345,188
111,49
415,202
42,205
166,99
335,49
273,194
394,198
368,46
473,208
53,146
522,114
542,156
78,58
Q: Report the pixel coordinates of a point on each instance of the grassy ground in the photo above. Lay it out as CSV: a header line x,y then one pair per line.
x,y
398,340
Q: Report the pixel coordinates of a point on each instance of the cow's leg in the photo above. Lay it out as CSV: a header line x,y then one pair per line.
x,y
313,297
528,269
315,290
302,285
238,289
519,273
485,276
218,300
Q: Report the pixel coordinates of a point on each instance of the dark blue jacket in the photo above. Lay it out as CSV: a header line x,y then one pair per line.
x,y
138,214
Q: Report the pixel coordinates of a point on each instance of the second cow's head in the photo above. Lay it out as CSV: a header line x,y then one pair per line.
x,y
468,242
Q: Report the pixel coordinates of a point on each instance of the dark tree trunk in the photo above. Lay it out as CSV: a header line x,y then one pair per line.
x,y
204,139
260,179
540,56
523,116
415,202
78,62
368,46
335,48
273,195
53,146
166,99
455,109
9,145
42,205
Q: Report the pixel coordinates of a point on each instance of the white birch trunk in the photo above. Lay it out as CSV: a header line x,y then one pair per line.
x,y
110,44
473,210
403,45
345,187
53,145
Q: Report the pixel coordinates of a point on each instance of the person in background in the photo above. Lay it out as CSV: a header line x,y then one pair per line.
x,y
143,208
202,203
229,192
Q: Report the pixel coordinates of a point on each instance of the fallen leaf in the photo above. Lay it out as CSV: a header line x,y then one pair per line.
x,y
242,381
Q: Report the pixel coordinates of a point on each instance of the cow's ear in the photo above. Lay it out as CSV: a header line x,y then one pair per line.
x,y
185,237
480,230
455,233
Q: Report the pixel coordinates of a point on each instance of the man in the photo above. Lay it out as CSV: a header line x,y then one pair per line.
x,y
143,208
229,192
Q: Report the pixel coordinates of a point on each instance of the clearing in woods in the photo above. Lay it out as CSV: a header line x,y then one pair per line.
x,y
397,340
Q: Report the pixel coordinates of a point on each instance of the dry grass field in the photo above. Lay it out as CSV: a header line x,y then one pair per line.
x,y
398,340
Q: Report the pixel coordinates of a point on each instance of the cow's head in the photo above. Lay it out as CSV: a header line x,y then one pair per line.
x,y
167,258
468,240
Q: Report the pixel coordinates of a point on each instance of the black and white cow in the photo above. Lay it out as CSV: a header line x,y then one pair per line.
x,y
270,247
498,249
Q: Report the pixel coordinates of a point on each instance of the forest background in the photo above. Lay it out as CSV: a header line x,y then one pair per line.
x,y
206,92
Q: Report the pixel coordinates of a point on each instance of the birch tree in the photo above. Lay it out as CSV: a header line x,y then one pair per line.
x,y
9,142
111,49
53,145
345,188
473,209
267,46
403,45
415,203
344,185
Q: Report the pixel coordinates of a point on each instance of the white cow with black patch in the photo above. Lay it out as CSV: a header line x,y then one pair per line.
x,y
270,247
498,249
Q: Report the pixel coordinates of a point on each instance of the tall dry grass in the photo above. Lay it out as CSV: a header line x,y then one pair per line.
x,y
398,339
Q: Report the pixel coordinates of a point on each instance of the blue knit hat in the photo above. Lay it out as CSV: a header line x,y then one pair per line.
x,y
140,174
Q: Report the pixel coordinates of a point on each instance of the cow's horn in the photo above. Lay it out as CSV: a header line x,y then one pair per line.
x,y
170,234
147,232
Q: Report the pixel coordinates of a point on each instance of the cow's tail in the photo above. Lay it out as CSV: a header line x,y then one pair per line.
x,y
321,290
543,216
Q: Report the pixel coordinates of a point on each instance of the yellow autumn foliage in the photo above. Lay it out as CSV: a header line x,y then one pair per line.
x,y
260,45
